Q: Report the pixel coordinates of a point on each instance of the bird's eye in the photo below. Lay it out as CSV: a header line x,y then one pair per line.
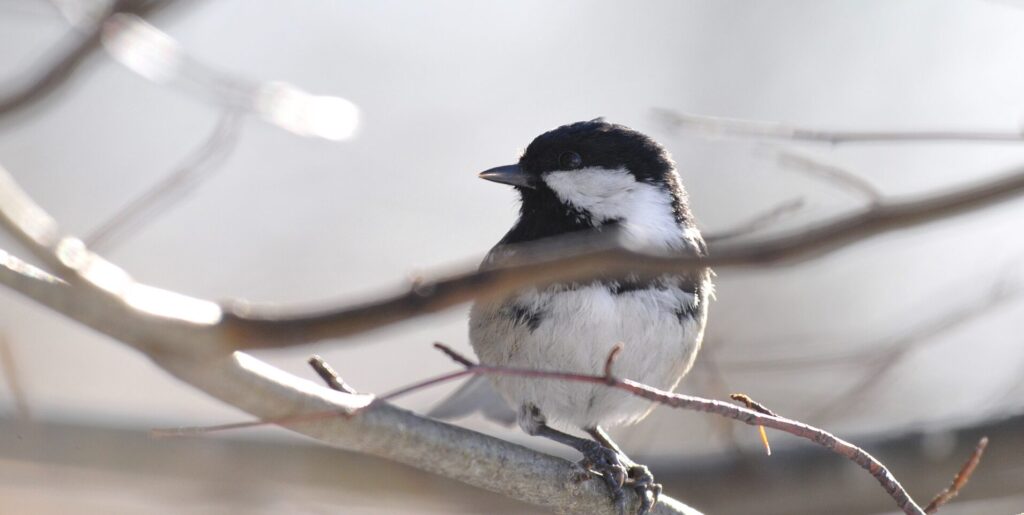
x,y
570,161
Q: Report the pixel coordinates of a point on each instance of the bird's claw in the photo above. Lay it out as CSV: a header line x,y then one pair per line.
x,y
616,473
646,489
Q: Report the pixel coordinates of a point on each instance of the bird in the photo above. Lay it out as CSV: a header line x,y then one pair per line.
x,y
590,176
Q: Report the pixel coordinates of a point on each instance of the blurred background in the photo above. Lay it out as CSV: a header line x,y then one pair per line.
x,y
908,343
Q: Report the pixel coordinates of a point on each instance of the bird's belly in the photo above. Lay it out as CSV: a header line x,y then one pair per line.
x,y
574,331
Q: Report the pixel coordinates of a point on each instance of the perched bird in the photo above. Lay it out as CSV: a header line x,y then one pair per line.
x,y
584,176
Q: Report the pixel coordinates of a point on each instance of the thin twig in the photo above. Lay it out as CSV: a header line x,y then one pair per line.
x,y
757,222
333,380
13,379
178,432
713,384
157,57
754,405
197,167
961,478
70,57
831,174
610,361
751,403
879,361
886,348
718,127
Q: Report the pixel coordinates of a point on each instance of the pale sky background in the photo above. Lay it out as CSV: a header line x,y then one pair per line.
x,y
447,89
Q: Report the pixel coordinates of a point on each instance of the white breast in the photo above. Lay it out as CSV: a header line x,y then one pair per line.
x,y
578,330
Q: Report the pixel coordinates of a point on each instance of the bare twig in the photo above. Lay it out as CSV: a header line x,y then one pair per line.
x,y
13,379
879,363
70,58
832,174
888,348
757,222
712,384
63,66
751,403
756,406
961,478
179,432
601,255
610,361
196,168
156,56
718,127
333,380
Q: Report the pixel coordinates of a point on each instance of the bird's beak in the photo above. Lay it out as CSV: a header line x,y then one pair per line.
x,y
510,174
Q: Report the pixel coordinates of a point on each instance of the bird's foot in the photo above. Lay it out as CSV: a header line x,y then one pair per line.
x,y
643,484
617,472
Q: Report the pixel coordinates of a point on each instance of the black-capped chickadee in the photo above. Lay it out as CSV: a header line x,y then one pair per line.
x,y
579,177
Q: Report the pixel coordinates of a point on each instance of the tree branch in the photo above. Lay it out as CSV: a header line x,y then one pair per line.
x,y
832,174
157,57
68,60
12,376
198,166
714,126
757,222
961,478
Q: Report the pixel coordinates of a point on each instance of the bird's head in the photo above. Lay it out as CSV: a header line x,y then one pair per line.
x,y
589,174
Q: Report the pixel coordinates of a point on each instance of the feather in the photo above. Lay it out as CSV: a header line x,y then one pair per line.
x,y
476,394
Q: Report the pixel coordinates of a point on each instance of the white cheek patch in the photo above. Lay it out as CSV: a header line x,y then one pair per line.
x,y
598,191
605,194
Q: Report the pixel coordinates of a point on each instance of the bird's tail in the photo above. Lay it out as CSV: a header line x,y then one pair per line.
x,y
476,394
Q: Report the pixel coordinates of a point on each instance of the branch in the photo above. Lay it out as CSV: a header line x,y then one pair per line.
x,y
157,57
717,127
592,255
330,377
961,478
68,60
757,222
830,173
197,167
12,376
890,348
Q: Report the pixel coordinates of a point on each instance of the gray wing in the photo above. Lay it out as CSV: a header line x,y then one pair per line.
x,y
474,395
